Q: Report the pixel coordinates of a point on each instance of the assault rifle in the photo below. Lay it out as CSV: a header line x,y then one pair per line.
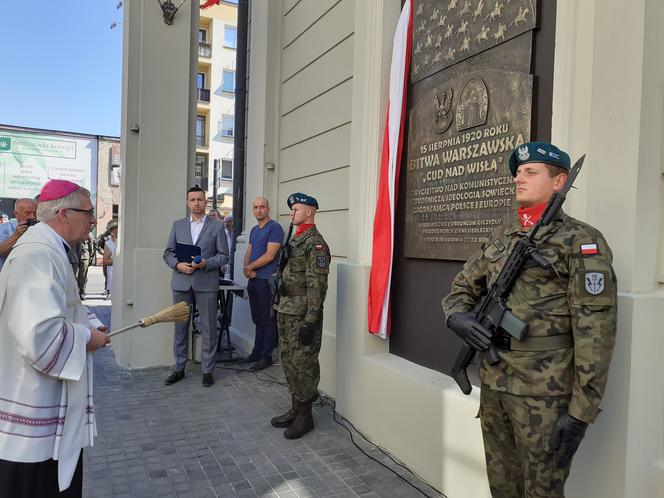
x,y
493,312
284,255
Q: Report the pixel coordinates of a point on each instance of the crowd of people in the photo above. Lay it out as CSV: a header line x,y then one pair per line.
x,y
539,393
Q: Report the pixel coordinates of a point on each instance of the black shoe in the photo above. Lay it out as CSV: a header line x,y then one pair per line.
x,y
286,419
303,423
176,376
261,364
208,380
248,359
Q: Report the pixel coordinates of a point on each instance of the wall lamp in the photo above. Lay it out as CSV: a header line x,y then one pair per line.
x,y
169,10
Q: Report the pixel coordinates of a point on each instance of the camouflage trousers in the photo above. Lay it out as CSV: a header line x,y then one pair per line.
x,y
82,275
300,363
516,432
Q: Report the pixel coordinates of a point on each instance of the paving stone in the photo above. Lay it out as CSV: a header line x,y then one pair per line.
x,y
188,441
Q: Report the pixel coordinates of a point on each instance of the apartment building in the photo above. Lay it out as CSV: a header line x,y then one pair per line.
x,y
215,102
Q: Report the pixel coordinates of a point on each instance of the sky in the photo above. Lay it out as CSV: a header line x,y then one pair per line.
x,y
61,65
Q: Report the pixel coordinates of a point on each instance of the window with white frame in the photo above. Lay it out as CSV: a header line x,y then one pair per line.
x,y
228,81
227,169
226,125
230,37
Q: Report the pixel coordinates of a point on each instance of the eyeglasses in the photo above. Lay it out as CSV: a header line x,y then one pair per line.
x,y
89,212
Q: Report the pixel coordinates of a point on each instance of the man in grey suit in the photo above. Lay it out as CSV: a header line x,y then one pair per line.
x,y
197,282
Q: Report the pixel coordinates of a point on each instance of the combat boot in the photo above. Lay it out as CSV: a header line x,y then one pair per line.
x,y
287,418
303,422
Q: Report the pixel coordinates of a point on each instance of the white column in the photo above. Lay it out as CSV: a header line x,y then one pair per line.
x,y
158,104
608,103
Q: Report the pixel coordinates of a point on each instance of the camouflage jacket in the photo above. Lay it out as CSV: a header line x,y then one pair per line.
x,y
305,277
576,296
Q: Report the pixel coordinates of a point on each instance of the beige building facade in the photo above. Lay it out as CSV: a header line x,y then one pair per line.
x,y
317,92
215,101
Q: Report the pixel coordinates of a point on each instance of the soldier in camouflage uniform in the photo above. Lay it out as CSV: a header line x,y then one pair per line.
x,y
300,315
85,252
536,403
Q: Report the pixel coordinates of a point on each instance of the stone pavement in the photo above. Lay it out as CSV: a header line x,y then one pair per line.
x,y
189,441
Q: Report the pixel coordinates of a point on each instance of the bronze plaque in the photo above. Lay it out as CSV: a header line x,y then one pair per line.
x,y
461,133
446,32
471,101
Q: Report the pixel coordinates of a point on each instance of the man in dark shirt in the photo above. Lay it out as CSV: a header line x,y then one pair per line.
x,y
260,265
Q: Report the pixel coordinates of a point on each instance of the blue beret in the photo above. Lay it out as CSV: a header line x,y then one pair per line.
x,y
538,152
300,198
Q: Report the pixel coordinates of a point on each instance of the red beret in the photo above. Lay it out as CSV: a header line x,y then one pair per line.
x,y
56,189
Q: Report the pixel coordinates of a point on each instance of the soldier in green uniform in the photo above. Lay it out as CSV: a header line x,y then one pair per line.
x,y
85,252
536,404
300,315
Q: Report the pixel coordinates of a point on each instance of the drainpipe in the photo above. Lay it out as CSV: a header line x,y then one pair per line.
x,y
240,119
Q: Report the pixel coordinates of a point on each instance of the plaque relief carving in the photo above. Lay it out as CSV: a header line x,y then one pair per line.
x,y
458,185
445,33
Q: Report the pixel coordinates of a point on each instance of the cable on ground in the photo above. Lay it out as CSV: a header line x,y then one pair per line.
x,y
323,402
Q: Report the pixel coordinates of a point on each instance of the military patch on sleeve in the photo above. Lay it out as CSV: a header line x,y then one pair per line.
x,y
321,261
594,282
319,247
589,249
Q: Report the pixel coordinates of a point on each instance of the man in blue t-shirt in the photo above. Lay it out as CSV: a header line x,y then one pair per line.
x,y
260,265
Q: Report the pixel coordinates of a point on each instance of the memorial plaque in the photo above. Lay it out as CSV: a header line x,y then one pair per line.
x,y
468,112
461,133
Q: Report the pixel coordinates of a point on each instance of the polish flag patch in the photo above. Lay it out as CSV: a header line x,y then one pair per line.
x,y
589,249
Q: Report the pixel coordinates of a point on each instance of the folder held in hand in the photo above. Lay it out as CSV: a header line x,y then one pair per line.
x,y
185,253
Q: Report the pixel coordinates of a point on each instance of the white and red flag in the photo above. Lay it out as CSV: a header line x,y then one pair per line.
x,y
209,3
383,233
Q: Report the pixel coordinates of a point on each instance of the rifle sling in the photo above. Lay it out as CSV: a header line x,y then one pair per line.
x,y
534,344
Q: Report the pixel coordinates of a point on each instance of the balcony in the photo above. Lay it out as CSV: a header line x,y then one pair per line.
x,y
204,49
204,95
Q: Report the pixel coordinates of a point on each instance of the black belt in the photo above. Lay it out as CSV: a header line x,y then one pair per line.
x,y
548,343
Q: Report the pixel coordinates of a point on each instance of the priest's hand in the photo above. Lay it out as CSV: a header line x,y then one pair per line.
x,y
98,339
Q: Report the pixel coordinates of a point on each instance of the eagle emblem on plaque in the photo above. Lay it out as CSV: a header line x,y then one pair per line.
x,y
442,116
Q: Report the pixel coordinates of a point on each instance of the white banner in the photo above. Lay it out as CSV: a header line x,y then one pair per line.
x,y
29,160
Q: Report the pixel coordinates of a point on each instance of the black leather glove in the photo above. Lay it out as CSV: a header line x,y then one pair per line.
x,y
566,438
466,326
306,334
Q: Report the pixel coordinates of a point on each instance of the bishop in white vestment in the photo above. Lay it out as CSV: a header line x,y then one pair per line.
x,y
46,342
